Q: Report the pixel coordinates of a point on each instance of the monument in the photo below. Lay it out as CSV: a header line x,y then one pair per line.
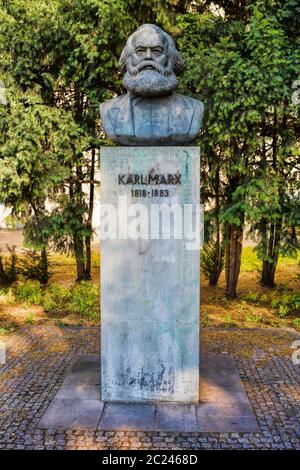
x,y
150,263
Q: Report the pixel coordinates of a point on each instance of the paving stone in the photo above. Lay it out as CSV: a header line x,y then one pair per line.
x,y
212,393
87,361
136,416
173,417
72,414
221,423
88,377
79,392
239,408
226,381
216,362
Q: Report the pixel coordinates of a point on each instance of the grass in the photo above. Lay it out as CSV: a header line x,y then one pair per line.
x,y
251,263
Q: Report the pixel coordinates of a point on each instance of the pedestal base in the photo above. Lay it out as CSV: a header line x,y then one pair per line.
x,y
224,405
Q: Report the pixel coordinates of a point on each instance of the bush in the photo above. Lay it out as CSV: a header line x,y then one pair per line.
x,y
212,262
10,295
35,265
251,297
29,320
85,300
30,292
296,322
56,299
287,304
8,266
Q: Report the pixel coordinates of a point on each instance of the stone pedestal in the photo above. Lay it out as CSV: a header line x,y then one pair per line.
x,y
150,280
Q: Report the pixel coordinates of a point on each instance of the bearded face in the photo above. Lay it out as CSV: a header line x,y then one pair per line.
x,y
149,70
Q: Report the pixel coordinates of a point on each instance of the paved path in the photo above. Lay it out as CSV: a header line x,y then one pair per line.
x,y
40,357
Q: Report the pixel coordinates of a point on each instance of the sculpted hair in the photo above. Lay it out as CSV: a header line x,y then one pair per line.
x,y
174,56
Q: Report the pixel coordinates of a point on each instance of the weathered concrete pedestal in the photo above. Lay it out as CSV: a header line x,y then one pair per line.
x,y
150,287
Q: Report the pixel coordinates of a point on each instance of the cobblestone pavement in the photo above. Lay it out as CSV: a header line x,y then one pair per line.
x,y
40,356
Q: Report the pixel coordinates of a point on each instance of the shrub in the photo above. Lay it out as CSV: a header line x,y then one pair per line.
x,y
283,311
251,297
205,318
6,331
230,323
35,265
264,298
82,299
212,262
252,318
29,320
56,299
287,304
10,295
296,322
29,291
8,266
85,300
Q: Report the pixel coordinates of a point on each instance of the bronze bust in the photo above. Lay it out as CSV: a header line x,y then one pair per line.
x,y
151,113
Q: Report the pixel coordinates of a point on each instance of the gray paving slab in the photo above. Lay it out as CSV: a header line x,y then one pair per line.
x,y
176,417
127,416
224,424
227,382
210,392
79,391
86,361
210,410
216,362
84,377
72,414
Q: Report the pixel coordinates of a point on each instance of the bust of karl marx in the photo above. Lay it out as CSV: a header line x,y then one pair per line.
x,y
151,113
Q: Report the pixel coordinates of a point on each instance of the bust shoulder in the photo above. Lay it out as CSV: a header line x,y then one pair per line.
x,y
109,111
191,103
110,104
191,111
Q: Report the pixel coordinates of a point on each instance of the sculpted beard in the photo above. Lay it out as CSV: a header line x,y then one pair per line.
x,y
156,81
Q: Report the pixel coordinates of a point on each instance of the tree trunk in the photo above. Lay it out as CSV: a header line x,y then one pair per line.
x,y
44,265
78,237
218,263
219,255
270,261
214,277
88,238
268,274
234,239
272,232
80,258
